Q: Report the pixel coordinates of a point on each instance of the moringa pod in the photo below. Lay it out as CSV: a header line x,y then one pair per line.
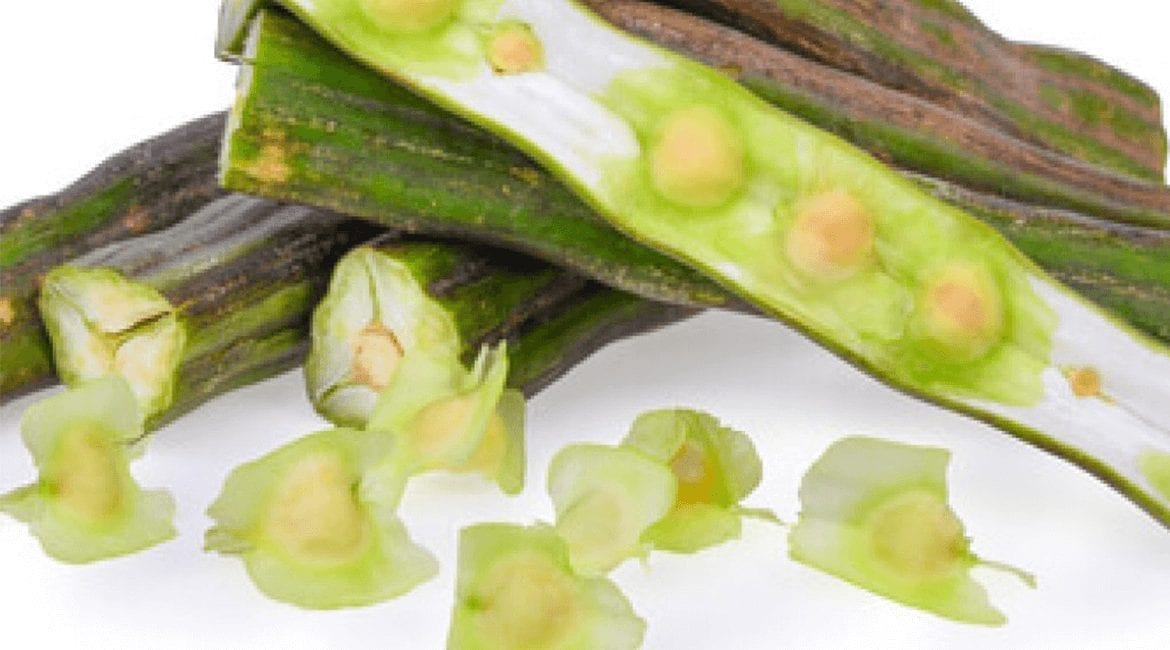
x,y
792,219
244,296
348,139
146,188
928,135
939,51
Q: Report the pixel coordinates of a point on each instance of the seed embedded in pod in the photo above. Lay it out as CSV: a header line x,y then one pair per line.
x,y
1084,382
376,356
963,311
831,237
697,159
408,16
513,48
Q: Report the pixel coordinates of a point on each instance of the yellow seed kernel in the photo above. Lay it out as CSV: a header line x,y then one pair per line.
x,y
832,236
963,311
408,16
697,159
87,481
376,356
7,313
440,427
513,48
314,514
491,451
526,601
917,536
1084,382
696,480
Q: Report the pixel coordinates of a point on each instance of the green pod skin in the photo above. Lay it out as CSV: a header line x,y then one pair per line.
x,y
1065,102
384,155
932,137
334,114
146,188
812,231
550,318
938,51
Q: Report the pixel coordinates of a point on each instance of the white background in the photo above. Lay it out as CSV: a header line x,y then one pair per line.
x,y
82,80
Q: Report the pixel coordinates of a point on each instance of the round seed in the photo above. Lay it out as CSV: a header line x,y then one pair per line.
x,y
376,355
491,451
831,237
963,311
697,160
440,427
513,49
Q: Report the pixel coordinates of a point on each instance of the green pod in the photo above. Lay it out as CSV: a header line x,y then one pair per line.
x,y
407,167
938,51
100,323
807,228
935,136
146,188
394,298
241,297
245,297
355,136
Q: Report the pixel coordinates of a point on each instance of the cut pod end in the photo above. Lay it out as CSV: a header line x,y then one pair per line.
x,y
102,323
375,314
